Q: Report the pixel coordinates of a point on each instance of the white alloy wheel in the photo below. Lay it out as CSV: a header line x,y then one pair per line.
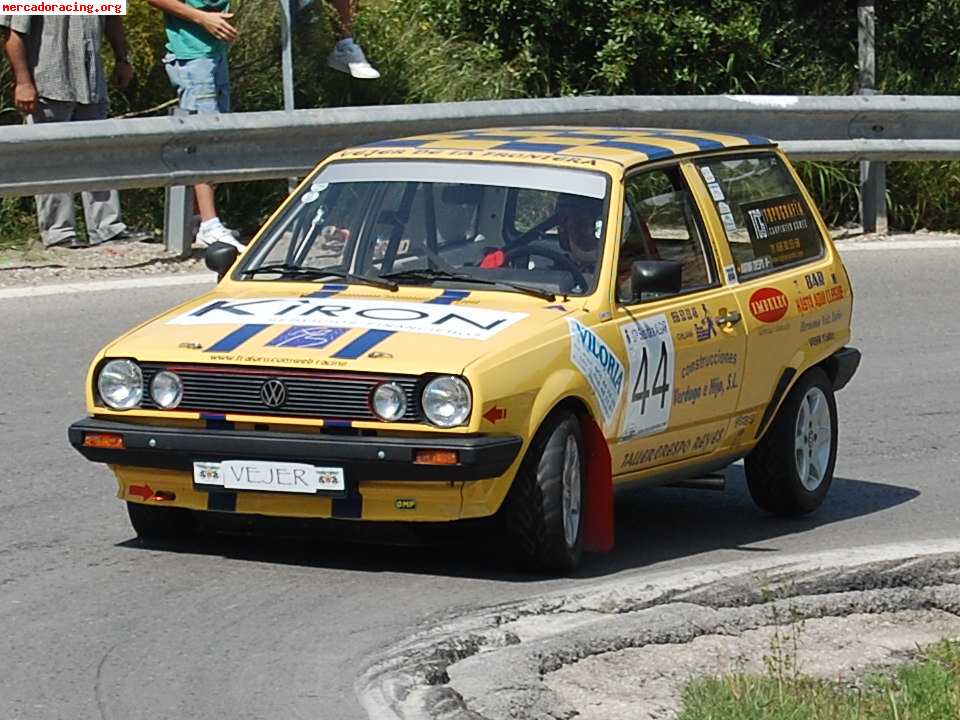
x,y
813,438
571,491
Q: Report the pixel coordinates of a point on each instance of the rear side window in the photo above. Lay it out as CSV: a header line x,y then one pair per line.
x,y
767,222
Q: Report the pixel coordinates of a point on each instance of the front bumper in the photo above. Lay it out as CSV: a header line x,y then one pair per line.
x,y
363,458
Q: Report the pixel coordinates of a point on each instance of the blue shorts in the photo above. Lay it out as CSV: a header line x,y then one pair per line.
x,y
203,84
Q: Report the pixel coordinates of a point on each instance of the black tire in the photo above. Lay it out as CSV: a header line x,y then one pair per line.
x,y
534,507
772,467
156,522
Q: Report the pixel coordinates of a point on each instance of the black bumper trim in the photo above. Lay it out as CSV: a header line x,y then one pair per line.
x,y
847,361
481,456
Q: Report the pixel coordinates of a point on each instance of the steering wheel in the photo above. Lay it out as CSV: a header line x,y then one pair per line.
x,y
560,260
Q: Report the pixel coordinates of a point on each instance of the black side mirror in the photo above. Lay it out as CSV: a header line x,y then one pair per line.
x,y
220,258
655,276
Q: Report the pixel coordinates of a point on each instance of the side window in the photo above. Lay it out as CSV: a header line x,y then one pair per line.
x,y
660,223
767,222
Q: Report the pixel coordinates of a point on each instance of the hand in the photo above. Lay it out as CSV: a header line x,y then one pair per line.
x,y
25,97
218,25
122,74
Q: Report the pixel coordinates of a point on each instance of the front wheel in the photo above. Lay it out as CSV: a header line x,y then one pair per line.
x,y
155,522
791,468
544,508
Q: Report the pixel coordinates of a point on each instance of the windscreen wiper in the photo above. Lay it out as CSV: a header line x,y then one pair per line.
x,y
435,274
314,273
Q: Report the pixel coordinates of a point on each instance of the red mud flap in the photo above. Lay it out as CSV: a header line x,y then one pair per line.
x,y
598,531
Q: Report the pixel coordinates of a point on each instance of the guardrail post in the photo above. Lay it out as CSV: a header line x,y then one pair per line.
x,y
178,216
873,175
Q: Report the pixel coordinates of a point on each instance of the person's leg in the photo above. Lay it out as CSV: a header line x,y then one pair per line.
x,y
347,56
55,215
101,208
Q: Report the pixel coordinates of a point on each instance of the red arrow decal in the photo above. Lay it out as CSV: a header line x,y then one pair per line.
x,y
144,491
495,414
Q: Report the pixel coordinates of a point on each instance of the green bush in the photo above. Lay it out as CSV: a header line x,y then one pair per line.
x,y
452,50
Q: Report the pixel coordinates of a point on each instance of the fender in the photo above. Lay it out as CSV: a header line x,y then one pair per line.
x,y
599,517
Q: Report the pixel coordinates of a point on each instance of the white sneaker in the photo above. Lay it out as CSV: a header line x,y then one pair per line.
x,y
218,233
348,57
195,227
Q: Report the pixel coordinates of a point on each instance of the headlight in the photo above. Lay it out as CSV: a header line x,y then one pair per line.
x,y
166,389
121,384
446,401
389,401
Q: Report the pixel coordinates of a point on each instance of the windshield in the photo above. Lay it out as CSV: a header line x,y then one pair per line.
x,y
417,222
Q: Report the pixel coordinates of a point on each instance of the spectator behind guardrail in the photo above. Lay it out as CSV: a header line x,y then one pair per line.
x,y
59,76
199,34
347,56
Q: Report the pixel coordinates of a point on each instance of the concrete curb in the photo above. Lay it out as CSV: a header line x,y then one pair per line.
x,y
492,664
105,285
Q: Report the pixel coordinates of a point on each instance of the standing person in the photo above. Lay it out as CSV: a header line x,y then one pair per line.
x,y
347,56
58,77
199,34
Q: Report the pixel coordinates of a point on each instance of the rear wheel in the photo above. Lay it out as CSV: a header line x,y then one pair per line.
x,y
790,470
544,509
156,522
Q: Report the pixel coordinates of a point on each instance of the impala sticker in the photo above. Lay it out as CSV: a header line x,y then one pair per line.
x,y
427,318
599,365
649,397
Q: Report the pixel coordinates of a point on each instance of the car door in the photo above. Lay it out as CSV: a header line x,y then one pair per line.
x,y
785,283
685,352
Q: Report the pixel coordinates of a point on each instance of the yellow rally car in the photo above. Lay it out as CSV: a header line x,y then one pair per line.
x,y
509,322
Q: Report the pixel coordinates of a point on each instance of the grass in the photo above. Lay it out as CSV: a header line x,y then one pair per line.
x,y
928,688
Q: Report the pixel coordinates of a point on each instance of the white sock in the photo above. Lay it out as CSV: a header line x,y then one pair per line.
x,y
210,224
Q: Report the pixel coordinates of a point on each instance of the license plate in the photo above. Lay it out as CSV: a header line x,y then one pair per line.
x,y
269,476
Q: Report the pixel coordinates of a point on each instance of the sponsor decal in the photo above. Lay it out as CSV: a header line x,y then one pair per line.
x,y
599,365
769,305
744,421
651,357
716,192
772,329
729,222
405,504
814,280
822,339
756,265
307,337
705,329
712,388
705,361
190,346
672,450
708,174
685,314
781,229
383,315
820,298
730,273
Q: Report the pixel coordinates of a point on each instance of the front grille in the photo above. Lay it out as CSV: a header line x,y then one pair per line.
x,y
328,395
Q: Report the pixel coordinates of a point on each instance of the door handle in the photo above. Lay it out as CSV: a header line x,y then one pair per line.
x,y
730,318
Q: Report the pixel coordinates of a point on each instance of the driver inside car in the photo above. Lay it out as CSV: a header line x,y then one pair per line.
x,y
577,222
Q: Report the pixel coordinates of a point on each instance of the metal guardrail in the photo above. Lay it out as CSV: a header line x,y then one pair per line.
x,y
253,146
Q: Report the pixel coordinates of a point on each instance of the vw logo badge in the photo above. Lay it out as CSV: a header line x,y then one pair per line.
x,y
273,393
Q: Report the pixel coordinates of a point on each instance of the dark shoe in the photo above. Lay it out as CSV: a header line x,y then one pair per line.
x,y
70,244
130,236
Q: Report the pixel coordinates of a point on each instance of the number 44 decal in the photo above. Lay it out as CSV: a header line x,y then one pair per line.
x,y
660,387
649,345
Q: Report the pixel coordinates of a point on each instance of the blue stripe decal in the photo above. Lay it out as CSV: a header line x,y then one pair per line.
x,y
328,290
534,147
578,135
449,297
651,151
702,143
237,338
213,416
483,136
371,338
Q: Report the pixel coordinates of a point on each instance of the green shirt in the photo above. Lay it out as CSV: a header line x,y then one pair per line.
x,y
188,40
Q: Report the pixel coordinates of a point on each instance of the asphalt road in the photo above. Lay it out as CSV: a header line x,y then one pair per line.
x,y
93,625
